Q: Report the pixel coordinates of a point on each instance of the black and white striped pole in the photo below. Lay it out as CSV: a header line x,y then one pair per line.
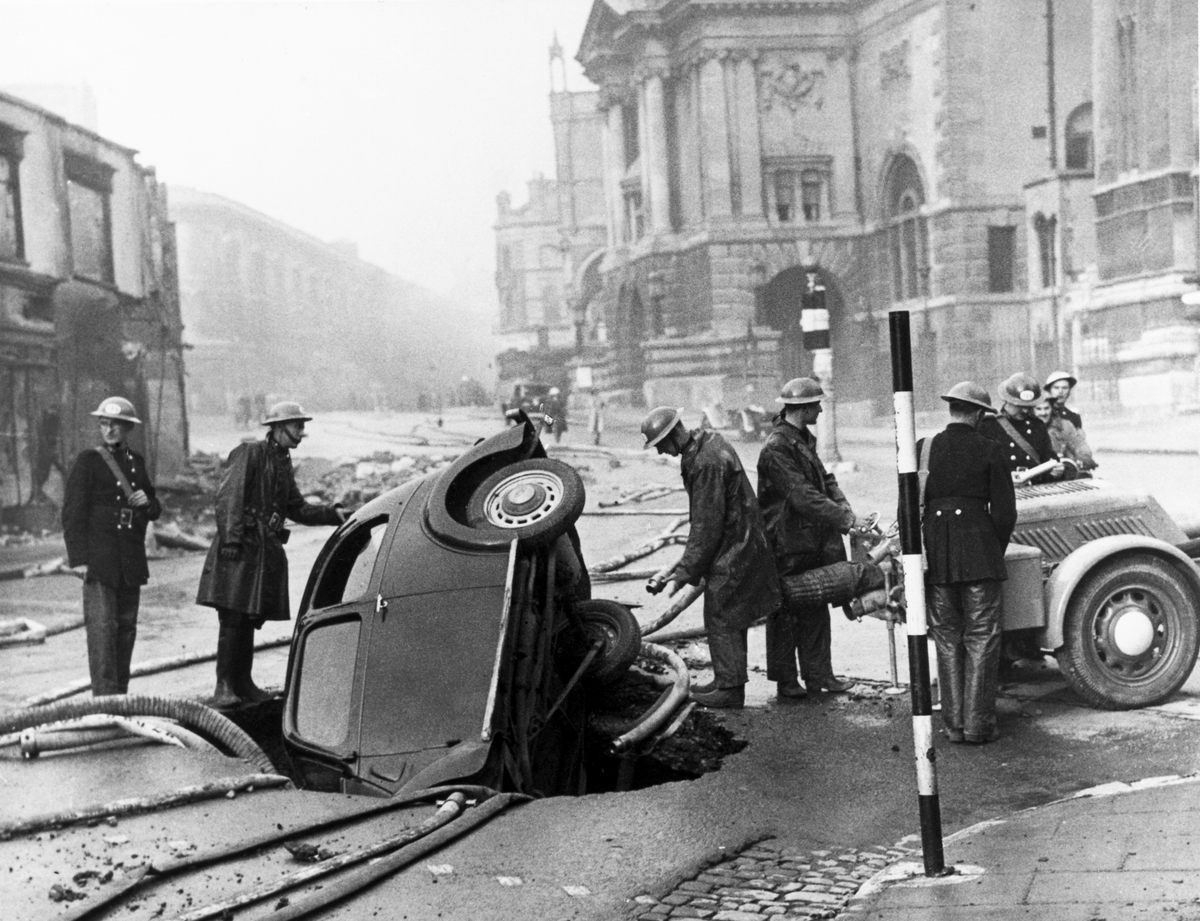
x,y
914,593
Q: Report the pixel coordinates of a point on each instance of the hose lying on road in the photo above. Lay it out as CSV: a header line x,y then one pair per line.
x,y
672,698
205,721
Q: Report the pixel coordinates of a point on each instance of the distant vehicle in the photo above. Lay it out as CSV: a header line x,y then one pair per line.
x,y
527,396
1103,578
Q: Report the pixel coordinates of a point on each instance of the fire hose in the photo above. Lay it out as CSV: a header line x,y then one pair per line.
x,y
672,698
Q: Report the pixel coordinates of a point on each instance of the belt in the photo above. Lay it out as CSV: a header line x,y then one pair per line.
x,y
956,503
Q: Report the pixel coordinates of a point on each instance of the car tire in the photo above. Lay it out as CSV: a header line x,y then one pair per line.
x,y
615,626
532,500
1130,633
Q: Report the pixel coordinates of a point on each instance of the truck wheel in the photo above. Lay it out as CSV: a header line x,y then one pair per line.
x,y
532,500
615,626
1130,635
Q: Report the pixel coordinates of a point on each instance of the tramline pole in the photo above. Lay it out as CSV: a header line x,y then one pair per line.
x,y
914,593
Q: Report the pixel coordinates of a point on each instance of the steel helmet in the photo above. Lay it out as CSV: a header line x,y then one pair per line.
x,y
1057,376
1021,390
116,408
971,393
287,411
659,422
800,390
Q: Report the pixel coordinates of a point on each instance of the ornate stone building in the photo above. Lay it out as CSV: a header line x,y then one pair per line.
x,y
548,249
88,306
929,155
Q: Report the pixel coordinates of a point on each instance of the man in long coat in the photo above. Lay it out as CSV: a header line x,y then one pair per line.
x,y
246,572
726,547
107,504
806,514
970,511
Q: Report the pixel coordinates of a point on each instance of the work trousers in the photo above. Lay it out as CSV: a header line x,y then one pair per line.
x,y
726,648
110,620
964,622
799,632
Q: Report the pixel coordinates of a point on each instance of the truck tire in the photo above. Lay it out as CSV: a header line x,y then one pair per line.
x,y
1130,634
532,500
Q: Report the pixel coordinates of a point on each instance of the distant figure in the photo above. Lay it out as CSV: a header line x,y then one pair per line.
x,y
246,573
260,406
596,417
556,409
241,414
109,499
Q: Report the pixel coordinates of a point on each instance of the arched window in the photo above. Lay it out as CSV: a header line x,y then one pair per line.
x,y
1079,138
908,235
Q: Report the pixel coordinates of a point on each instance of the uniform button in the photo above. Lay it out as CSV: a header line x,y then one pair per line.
x,y
958,511
1012,457
939,513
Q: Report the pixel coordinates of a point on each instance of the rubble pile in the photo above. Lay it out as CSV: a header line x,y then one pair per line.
x,y
355,482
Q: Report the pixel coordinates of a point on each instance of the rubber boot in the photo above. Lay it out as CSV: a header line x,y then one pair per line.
x,y
246,689
226,694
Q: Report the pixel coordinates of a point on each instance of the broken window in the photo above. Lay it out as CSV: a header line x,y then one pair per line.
x,y
89,189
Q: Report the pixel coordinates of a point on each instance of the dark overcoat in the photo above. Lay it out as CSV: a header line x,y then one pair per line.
x,y
805,510
257,492
93,503
726,545
970,508
1033,430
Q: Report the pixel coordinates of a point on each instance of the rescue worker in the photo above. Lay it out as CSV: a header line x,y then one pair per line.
x,y
245,575
806,514
726,547
1058,388
969,512
1021,435
107,504
1068,441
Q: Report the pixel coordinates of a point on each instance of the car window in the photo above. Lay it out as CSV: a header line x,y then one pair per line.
x,y
348,573
326,682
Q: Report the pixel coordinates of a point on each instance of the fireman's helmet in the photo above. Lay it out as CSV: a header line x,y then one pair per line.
x,y
800,390
971,393
1021,390
116,408
287,411
659,423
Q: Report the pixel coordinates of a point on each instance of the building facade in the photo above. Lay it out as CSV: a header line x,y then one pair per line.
x,y
1020,176
548,249
88,306
274,313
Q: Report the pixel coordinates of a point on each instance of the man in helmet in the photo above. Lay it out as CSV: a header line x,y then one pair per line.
x,y
1058,389
726,547
108,502
245,575
1019,432
806,514
970,511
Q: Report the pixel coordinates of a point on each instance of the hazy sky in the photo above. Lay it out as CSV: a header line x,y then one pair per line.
x,y
390,122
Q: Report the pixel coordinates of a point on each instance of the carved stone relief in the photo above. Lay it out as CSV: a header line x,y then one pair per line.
x,y
790,84
893,65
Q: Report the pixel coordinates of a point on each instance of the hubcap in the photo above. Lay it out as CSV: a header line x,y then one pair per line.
x,y
523,498
1132,632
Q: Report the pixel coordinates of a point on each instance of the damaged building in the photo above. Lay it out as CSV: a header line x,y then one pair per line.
x,y
1020,176
88,306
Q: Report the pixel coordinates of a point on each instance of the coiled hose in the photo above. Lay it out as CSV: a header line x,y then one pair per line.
x,y
204,721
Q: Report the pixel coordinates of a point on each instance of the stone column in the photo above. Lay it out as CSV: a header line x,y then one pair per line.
x,y
714,139
747,138
654,156
613,152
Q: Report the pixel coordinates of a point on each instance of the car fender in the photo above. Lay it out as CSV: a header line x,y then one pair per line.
x,y
1067,576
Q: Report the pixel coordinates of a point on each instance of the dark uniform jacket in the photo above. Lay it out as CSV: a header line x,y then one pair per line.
x,y
970,507
93,507
1057,409
726,544
805,510
258,491
1033,430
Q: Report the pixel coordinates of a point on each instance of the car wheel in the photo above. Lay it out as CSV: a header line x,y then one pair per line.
x,y
532,500
1130,635
620,636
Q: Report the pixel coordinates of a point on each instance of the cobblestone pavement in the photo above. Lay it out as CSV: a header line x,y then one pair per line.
x,y
765,883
